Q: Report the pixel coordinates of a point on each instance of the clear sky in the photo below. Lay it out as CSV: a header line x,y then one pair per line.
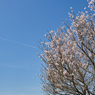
x,y
22,24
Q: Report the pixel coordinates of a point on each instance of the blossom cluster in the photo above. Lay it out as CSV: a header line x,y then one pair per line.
x,y
91,5
69,56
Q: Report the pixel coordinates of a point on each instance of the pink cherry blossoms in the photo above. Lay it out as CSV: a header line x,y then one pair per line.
x,y
69,56
91,4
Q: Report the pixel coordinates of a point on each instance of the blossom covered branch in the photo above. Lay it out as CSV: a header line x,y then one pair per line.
x,y
69,56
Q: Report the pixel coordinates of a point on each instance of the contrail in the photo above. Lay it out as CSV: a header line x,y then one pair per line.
x,y
17,42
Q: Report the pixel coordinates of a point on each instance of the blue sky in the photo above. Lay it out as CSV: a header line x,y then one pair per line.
x,y
22,24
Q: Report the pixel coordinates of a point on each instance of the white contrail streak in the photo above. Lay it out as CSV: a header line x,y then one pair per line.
x,y
17,42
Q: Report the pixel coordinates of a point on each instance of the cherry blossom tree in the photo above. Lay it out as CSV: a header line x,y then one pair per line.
x,y
69,56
